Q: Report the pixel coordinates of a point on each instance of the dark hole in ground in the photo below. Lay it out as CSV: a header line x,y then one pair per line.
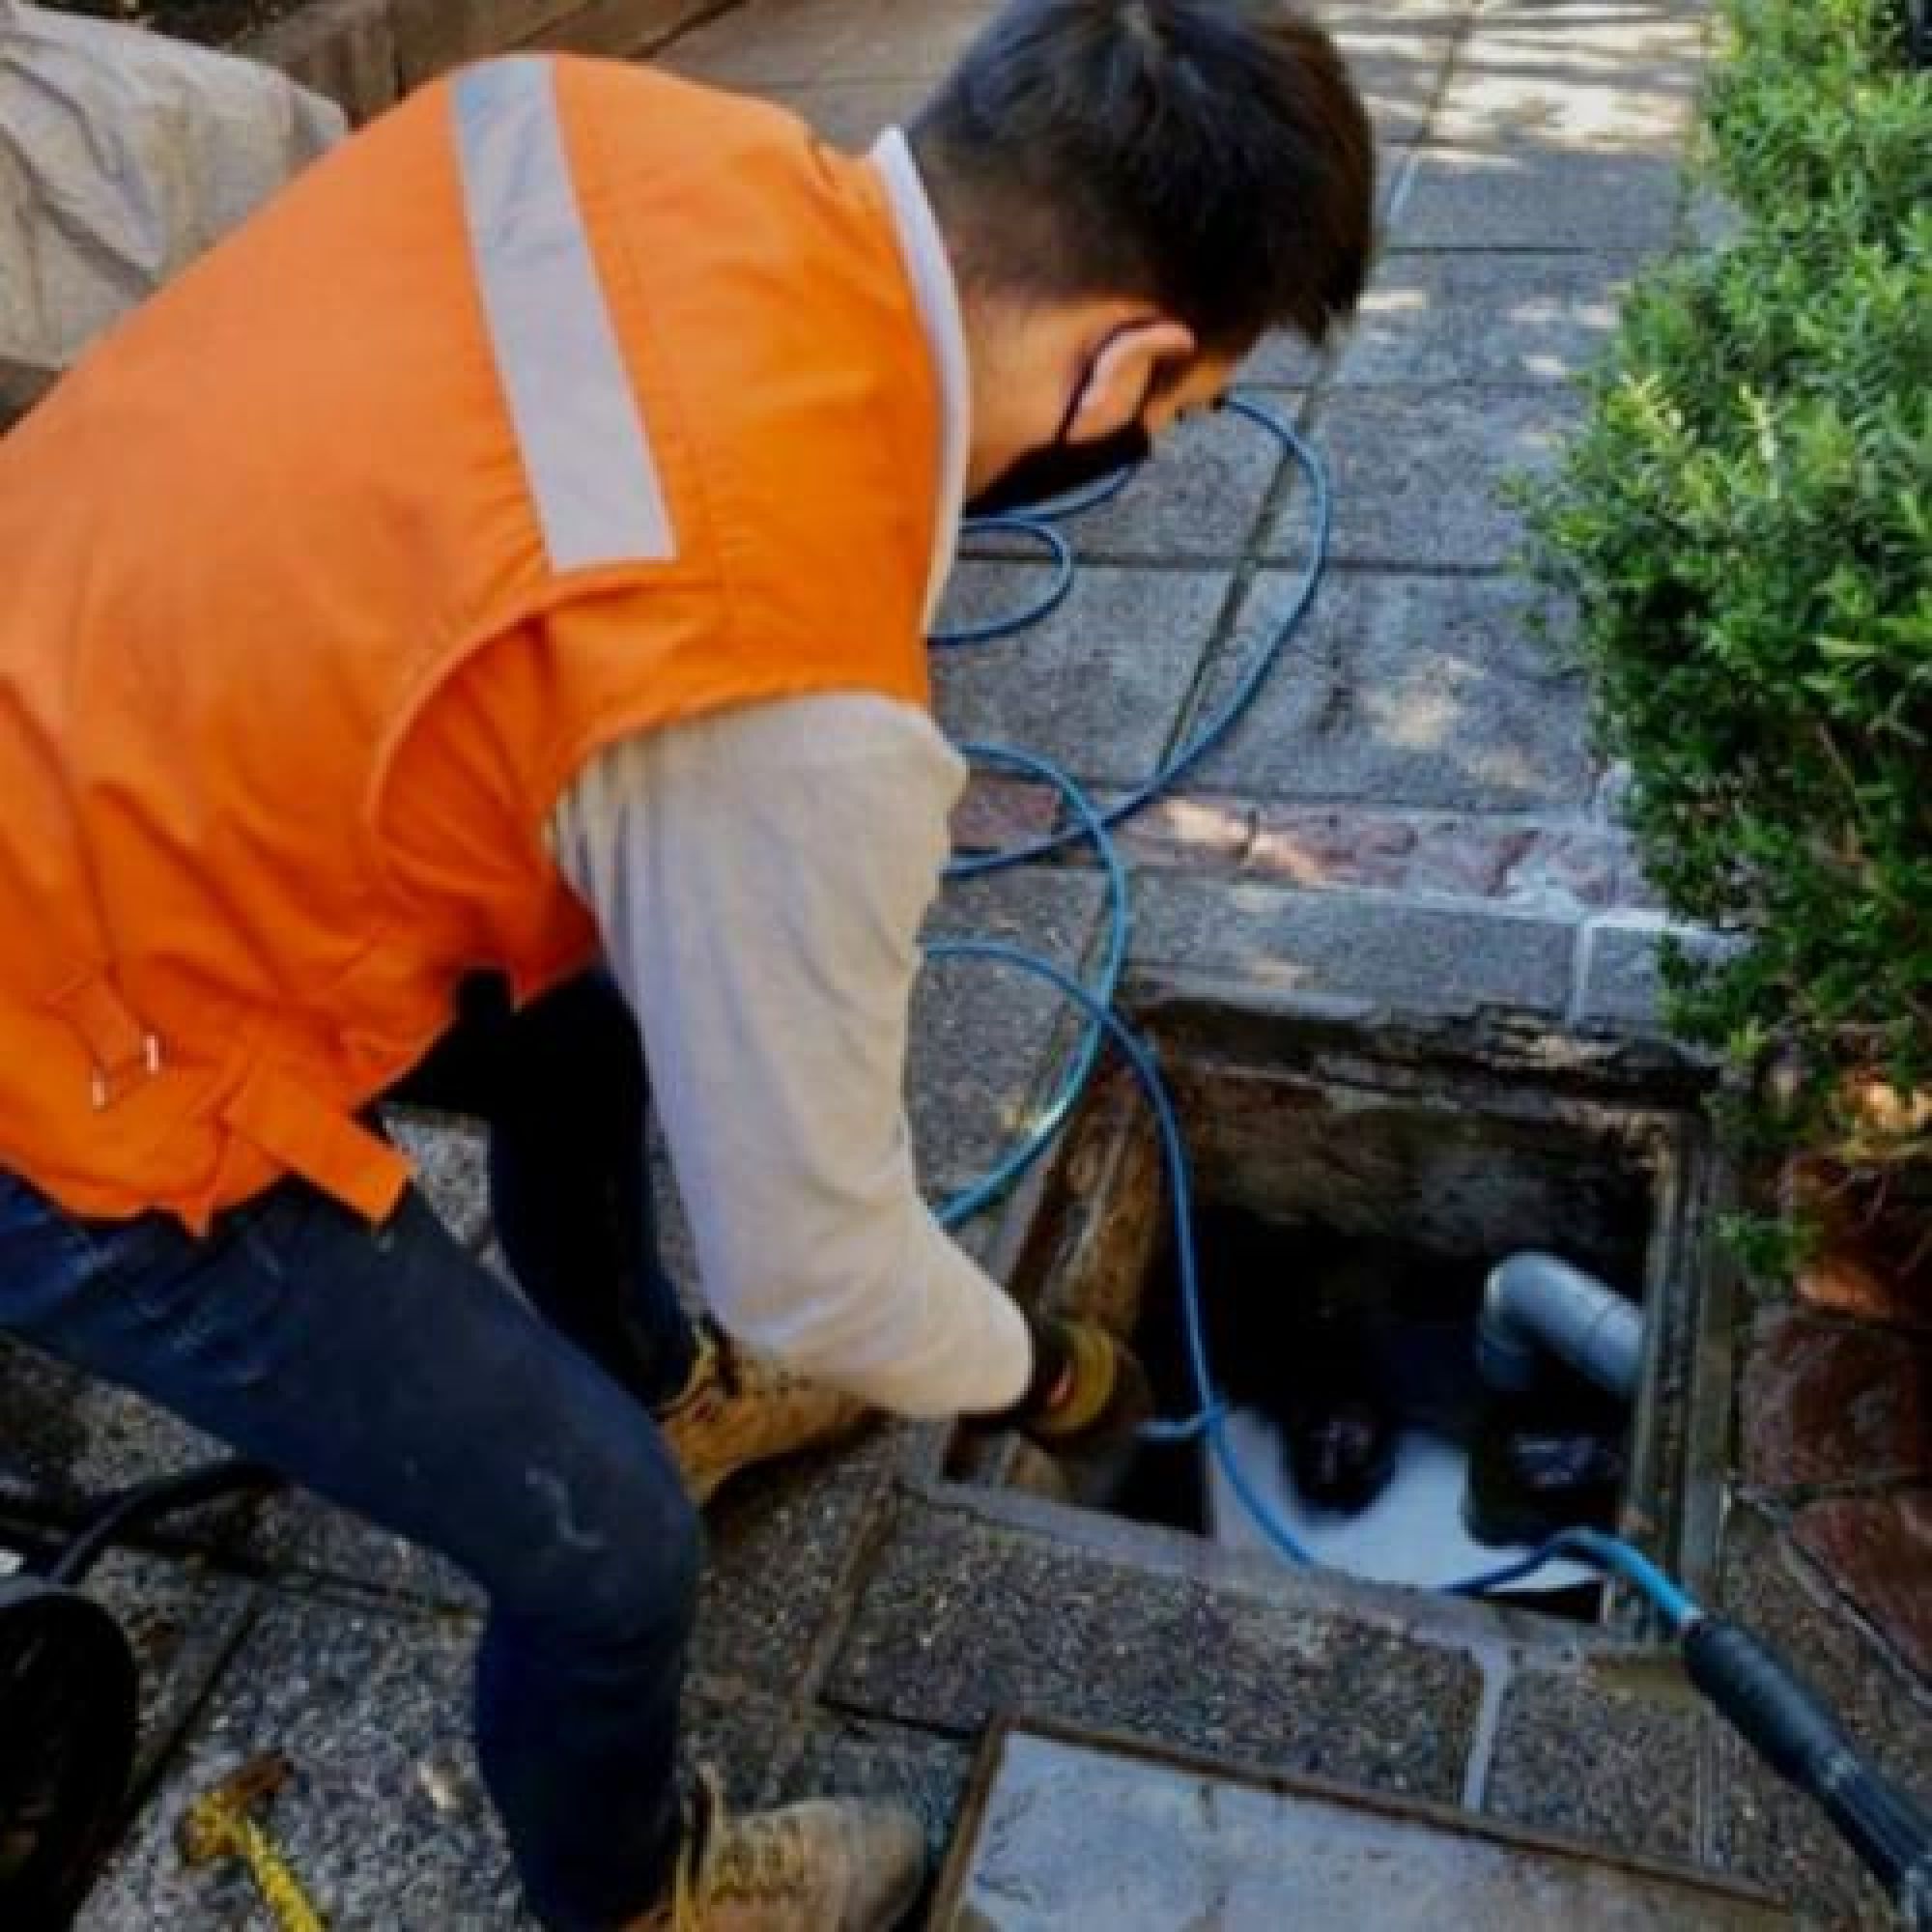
x,y
1344,1348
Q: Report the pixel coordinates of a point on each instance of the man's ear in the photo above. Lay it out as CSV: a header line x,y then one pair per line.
x,y
1123,373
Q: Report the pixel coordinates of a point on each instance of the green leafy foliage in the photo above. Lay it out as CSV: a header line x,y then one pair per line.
x,y
1745,524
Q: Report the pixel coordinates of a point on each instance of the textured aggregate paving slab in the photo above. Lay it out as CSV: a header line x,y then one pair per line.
x,y
182,1620
386,1821
780,1545
68,1438
1402,689
1418,478
855,1758
964,1618
1764,1830
1579,1757
450,1154
383,1821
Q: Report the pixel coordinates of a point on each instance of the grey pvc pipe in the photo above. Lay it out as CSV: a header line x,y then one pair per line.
x,y
1533,1302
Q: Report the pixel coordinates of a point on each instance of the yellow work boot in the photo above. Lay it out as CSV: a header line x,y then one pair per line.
x,y
826,1866
739,1407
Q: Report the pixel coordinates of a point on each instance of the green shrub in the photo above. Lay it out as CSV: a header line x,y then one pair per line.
x,y
1743,524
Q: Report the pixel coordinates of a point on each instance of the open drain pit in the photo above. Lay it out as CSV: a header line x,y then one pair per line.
x,y
1348,1367
1354,1199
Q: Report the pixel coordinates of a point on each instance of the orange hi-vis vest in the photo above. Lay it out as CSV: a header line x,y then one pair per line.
x,y
284,697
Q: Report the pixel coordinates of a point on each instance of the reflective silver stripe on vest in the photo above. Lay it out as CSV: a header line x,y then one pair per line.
x,y
583,445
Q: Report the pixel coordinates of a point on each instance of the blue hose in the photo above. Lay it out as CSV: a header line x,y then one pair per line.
x,y
1609,1555
1020,1156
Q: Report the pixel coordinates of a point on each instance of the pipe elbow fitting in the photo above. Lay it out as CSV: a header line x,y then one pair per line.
x,y
1533,1302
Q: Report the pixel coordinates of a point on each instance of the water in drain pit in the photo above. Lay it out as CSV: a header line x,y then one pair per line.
x,y
1357,1410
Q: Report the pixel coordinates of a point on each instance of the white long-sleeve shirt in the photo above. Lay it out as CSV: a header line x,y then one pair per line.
x,y
759,878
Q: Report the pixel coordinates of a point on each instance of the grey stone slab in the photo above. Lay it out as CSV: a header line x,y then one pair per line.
x,y
1357,25
1517,85
1284,359
1621,983
984,1036
1082,1832
850,1758
1402,690
384,1821
1764,1830
1517,196
1384,951
1397,75
1098,685
963,1618
1447,316
1621,989
1201,495
781,1544
1418,475
1580,1757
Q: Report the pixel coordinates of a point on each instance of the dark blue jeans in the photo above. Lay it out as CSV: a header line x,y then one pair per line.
x,y
385,1368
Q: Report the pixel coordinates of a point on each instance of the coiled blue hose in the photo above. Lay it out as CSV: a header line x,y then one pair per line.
x,y
1609,1555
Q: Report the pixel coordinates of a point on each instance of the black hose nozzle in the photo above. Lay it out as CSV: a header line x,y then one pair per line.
x,y
1800,1739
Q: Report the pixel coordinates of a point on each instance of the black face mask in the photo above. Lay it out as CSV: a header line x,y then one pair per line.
x,y
1060,467
1057,469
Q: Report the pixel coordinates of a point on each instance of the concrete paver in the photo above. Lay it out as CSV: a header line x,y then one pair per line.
x,y
1499,195
1418,477
1099,686
1200,496
964,1618
867,1759
1594,1761
1433,318
1378,952
1402,689
982,1036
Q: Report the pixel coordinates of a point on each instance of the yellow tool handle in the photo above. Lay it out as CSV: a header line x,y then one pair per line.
x,y
282,1890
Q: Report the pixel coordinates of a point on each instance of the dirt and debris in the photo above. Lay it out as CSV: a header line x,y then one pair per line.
x,y
215,23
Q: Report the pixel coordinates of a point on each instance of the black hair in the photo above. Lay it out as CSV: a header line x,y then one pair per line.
x,y
1210,156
